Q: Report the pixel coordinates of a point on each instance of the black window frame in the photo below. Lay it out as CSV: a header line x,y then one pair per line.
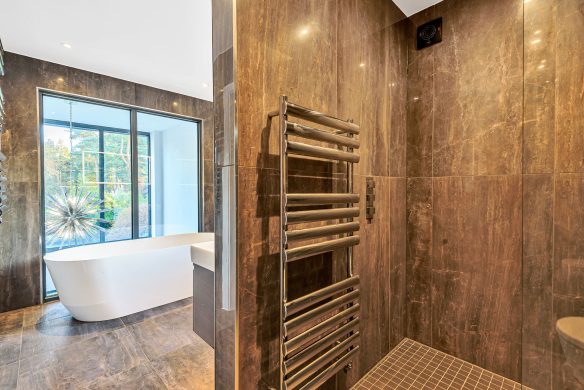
x,y
134,133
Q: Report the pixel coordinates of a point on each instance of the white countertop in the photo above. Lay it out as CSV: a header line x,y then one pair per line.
x,y
203,255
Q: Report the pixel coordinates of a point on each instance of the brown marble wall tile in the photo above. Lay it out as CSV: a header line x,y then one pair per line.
x,y
476,275
539,86
419,259
372,67
478,122
312,52
397,260
420,101
473,127
568,244
536,281
372,264
568,268
299,60
398,36
258,276
569,85
20,253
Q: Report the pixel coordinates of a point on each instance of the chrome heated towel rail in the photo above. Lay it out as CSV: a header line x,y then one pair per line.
x,y
319,332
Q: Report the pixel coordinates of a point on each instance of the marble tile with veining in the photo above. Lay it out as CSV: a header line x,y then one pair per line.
x,y
190,367
165,333
51,335
9,376
81,364
41,313
140,377
156,311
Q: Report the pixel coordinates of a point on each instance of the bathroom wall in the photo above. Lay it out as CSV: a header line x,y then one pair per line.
x,y
496,185
20,257
464,185
553,186
346,58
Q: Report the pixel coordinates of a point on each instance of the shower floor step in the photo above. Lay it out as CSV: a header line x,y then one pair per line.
x,y
415,366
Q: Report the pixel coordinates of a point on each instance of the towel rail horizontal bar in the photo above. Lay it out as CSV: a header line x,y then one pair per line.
x,y
312,350
327,308
303,131
320,199
308,300
313,367
299,341
320,118
320,152
320,215
321,247
331,370
321,231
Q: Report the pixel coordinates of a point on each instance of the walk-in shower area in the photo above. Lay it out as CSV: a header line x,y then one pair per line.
x,y
461,210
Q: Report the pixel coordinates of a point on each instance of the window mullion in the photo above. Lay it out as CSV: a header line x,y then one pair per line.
x,y
134,174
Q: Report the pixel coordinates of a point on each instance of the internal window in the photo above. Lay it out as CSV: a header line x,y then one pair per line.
x,y
114,173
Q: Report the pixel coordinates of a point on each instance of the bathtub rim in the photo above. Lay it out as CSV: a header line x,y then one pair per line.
x,y
82,253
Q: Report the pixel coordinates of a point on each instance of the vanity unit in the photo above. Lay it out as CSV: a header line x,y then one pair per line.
x,y
203,257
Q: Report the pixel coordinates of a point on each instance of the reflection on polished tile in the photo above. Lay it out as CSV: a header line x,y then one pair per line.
x,y
43,347
190,367
10,346
165,333
156,311
140,377
8,375
50,335
10,321
36,314
80,364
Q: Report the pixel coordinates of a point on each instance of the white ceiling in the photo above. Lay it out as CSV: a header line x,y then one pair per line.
x,y
410,7
161,43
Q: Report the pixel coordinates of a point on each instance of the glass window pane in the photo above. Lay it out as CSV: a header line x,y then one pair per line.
x,y
169,177
144,194
86,163
117,185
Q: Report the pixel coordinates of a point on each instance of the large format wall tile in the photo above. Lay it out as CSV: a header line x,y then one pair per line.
x,y
372,264
420,101
476,271
568,267
538,211
397,260
569,85
568,243
372,57
539,87
419,259
477,121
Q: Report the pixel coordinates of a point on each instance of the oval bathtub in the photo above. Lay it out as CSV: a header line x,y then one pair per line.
x,y
104,281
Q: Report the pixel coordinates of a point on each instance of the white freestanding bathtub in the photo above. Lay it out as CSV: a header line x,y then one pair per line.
x,y
104,281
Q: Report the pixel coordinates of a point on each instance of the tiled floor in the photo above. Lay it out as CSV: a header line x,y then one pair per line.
x,y
43,347
412,365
